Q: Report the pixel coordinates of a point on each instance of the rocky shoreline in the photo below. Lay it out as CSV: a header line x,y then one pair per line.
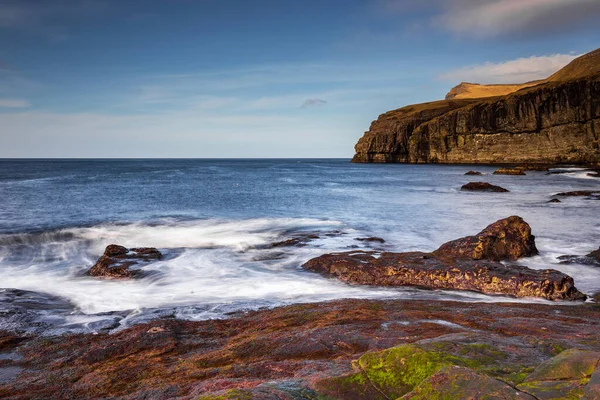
x,y
347,349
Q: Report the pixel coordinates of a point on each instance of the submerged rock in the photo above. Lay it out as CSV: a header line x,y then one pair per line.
x,y
592,258
509,171
482,187
554,201
116,261
371,239
579,193
470,263
299,240
473,173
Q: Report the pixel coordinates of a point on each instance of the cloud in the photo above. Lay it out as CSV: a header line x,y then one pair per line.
x,y
313,103
47,18
486,18
14,103
515,71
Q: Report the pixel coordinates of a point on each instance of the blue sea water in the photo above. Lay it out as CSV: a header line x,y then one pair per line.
x,y
214,220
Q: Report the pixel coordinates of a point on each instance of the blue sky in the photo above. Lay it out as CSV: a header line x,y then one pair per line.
x,y
228,78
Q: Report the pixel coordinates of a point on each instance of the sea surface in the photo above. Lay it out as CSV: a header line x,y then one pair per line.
x,y
214,221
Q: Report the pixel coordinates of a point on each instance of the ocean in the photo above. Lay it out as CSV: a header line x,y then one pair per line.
x,y
214,221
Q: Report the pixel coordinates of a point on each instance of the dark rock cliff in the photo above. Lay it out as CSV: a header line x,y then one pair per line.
x,y
557,121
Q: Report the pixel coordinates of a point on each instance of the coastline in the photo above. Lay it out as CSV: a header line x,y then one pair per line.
x,y
303,351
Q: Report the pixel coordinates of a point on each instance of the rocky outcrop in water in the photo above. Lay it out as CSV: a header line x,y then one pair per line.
x,y
482,187
507,239
557,121
470,263
116,261
592,258
509,171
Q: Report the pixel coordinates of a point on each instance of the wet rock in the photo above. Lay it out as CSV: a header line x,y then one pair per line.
x,y
300,240
592,389
470,263
509,171
506,239
554,201
462,383
371,239
473,173
388,374
482,187
592,258
579,193
570,364
293,351
116,261
563,376
594,174
531,167
425,270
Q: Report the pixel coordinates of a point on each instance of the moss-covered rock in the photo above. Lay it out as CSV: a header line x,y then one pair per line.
x,y
562,377
592,389
571,364
390,373
555,390
451,383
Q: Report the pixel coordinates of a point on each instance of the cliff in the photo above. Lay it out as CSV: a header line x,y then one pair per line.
x,y
556,121
466,90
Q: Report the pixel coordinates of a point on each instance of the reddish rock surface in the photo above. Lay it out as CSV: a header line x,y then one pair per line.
x,y
482,187
507,239
509,171
470,263
291,352
116,261
427,271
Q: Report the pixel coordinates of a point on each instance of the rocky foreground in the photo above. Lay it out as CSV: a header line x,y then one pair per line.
x,y
349,349
556,120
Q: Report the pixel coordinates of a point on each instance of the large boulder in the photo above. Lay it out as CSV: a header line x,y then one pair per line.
x,y
506,239
470,263
116,261
425,270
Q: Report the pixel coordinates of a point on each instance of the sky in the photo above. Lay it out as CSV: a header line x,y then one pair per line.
x,y
261,78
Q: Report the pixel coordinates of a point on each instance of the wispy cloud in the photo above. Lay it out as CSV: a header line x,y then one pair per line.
x,y
46,18
14,103
487,18
514,71
495,17
313,103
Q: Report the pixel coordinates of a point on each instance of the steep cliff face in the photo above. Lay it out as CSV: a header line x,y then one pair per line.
x,y
555,122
